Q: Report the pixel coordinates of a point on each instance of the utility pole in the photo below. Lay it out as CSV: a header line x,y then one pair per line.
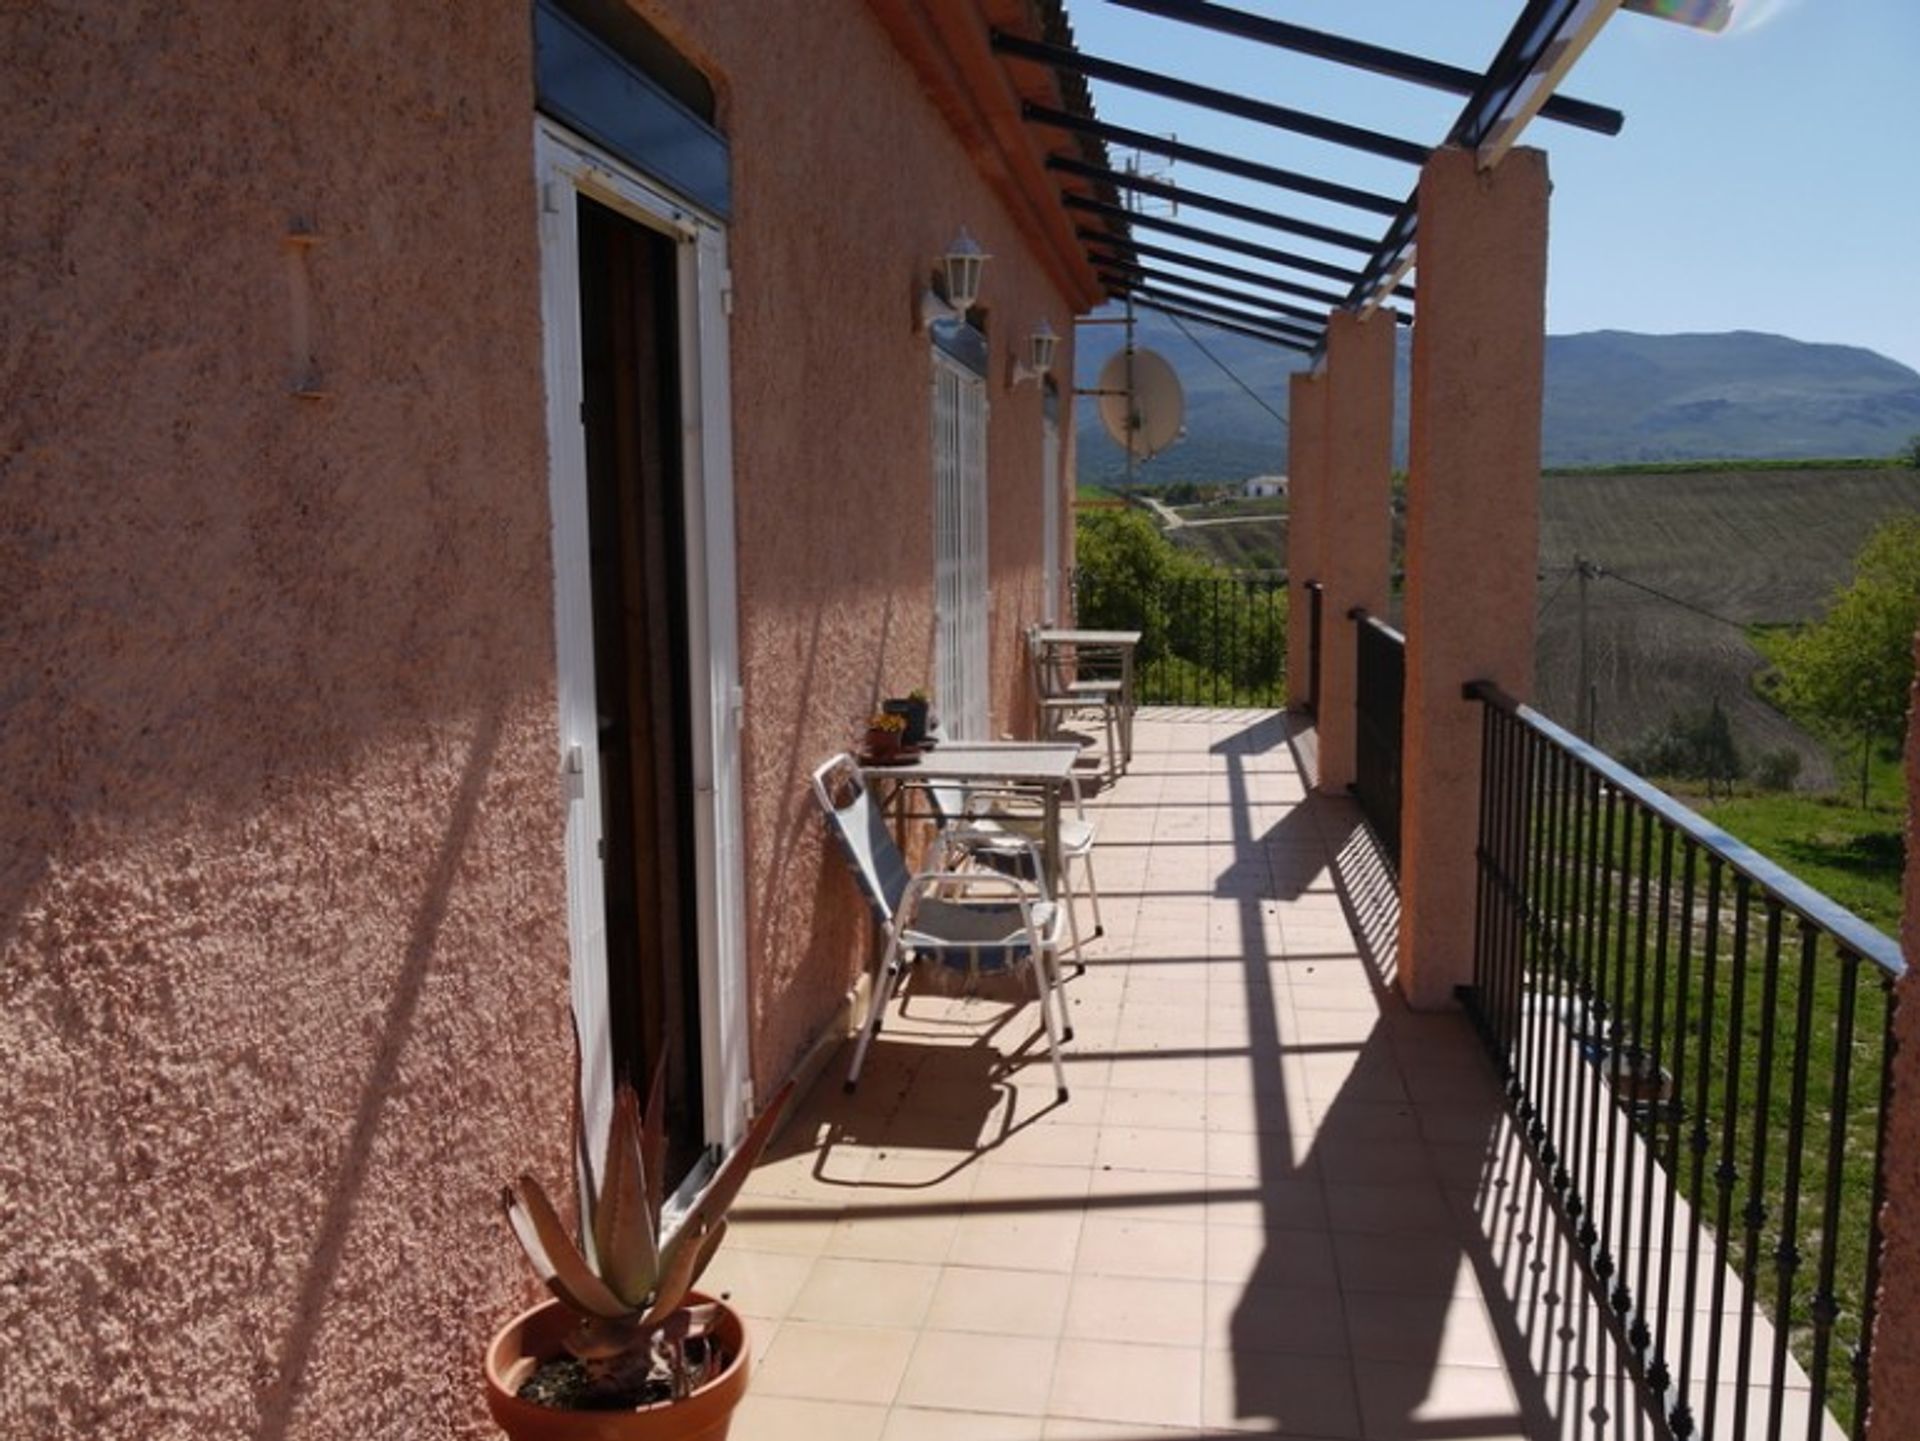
x,y
1588,699
1133,397
1133,403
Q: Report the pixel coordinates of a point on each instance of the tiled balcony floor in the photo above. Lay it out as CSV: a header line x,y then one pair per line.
x,y
1277,1201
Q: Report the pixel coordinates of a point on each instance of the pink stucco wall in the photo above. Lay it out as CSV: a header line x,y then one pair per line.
x,y
1306,467
282,938
840,208
1473,528
1896,1372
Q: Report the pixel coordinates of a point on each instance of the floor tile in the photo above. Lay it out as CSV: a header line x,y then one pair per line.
x,y
834,1363
1112,1381
1278,1202
999,1302
1301,1396
1270,1320
789,1418
852,1292
1399,1401
971,1371
1138,1309
916,1423
1125,1246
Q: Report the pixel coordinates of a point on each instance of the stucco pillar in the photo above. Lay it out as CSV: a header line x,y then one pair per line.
x,y
1355,530
1895,1413
1306,465
1473,527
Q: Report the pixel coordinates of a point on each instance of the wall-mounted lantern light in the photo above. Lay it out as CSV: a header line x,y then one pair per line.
x,y
1038,360
959,280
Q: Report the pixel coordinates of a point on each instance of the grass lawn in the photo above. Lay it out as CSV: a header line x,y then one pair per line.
x,y
1853,856
1727,1138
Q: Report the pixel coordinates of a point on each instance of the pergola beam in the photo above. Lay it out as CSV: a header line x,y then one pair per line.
x,y
1396,64
1215,204
1175,149
1208,237
1207,307
1132,245
1250,331
1130,268
1151,82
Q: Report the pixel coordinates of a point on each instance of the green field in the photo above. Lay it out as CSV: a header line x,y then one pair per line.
x,y
1752,546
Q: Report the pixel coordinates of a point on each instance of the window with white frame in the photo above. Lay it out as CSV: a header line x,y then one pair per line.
x,y
960,531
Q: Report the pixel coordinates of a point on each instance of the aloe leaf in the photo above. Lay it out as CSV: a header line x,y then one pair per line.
x,y
707,1249
623,1231
677,1265
718,1197
585,1202
555,1258
693,1245
654,1139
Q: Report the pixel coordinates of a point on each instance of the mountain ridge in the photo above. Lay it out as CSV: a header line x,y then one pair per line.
x,y
1612,397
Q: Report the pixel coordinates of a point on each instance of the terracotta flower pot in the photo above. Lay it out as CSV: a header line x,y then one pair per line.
x,y
882,744
534,1336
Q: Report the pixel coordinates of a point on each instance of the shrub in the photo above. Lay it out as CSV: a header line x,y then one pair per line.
x,y
1694,746
1777,770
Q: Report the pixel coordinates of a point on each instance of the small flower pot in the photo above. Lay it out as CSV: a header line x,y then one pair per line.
x,y
882,745
535,1336
915,713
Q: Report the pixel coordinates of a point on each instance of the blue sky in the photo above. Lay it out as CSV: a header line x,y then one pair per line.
x,y
1766,179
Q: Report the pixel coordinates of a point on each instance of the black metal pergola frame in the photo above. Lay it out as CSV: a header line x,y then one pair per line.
x,y
1133,268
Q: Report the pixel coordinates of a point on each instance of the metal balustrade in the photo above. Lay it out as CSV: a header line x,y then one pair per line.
x,y
1379,691
1316,603
1214,640
1696,1045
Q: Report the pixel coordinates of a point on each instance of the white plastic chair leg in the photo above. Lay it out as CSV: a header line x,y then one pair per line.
x,y
891,969
1093,890
1039,963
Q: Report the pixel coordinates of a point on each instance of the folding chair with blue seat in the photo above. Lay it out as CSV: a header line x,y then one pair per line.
x,y
1003,826
976,922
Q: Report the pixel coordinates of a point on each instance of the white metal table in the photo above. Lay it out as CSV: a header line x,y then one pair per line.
x,y
1044,766
1082,643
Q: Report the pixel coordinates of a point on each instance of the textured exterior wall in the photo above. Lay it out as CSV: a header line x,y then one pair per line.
x,y
1354,529
840,207
1306,469
282,950
1896,1369
282,906
1473,527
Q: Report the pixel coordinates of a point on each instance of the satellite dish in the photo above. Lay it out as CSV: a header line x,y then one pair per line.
x,y
1158,405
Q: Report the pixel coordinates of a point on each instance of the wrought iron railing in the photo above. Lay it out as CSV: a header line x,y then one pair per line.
x,y
1379,690
1316,603
1218,640
1696,1044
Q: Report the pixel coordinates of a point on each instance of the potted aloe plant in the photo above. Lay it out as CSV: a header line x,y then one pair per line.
x,y
627,1350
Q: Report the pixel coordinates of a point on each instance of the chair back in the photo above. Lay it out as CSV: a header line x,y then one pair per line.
x,y
948,799
861,830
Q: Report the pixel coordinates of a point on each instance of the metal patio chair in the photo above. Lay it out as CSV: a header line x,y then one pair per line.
x,y
1058,696
1002,826
972,921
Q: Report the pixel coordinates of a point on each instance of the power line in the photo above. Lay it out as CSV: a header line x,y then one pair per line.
x,y
1674,600
1541,614
1226,369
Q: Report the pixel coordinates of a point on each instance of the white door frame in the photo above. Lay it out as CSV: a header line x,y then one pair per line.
x,y
566,165
1051,610
962,581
